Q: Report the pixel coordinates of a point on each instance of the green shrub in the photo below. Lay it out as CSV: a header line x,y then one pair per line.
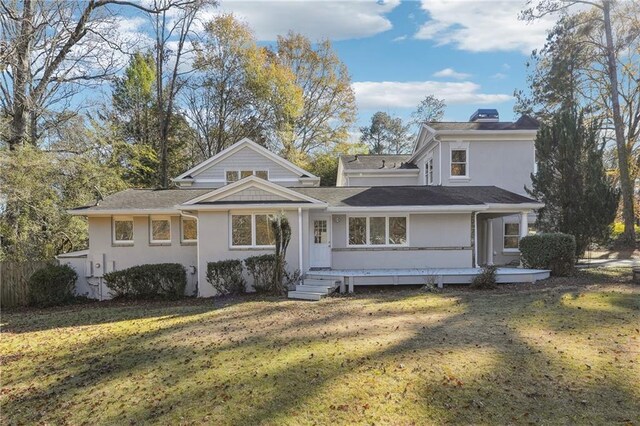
x,y
226,276
486,279
549,251
167,280
52,285
262,269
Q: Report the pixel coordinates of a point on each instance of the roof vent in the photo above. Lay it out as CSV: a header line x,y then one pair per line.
x,y
485,116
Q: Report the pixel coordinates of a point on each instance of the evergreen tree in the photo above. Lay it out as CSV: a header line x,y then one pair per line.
x,y
386,135
571,179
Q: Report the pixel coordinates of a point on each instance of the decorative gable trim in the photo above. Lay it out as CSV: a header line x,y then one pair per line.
x,y
252,182
243,143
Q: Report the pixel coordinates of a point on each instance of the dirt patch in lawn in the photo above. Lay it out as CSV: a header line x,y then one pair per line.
x,y
560,351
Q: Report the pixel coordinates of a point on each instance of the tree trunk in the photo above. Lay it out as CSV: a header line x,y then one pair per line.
x,y
626,185
20,80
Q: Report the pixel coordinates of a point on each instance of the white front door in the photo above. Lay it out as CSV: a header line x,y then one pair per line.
x,y
321,242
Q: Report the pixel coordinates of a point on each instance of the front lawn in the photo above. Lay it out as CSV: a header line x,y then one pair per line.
x,y
564,351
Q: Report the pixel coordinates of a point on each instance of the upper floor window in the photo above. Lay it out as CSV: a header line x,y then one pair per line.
x,y
123,230
160,229
234,175
429,171
459,162
377,230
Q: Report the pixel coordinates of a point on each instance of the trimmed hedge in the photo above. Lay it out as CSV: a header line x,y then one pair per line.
x,y
166,280
262,269
52,285
226,276
556,252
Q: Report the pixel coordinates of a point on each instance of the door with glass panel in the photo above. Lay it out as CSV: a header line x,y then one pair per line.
x,y
320,242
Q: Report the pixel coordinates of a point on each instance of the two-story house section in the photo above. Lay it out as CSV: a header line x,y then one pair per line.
x,y
455,203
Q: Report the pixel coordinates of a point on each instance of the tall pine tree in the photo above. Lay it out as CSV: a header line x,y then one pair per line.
x,y
572,181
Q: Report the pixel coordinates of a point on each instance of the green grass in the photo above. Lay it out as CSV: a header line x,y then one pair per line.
x,y
565,351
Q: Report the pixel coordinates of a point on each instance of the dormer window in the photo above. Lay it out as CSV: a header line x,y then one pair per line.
x,y
235,175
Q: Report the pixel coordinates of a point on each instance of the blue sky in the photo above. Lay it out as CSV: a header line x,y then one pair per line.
x,y
471,53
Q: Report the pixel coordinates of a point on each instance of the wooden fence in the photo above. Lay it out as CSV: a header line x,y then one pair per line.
x,y
14,277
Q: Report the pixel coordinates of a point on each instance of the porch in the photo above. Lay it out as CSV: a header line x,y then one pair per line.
x,y
349,278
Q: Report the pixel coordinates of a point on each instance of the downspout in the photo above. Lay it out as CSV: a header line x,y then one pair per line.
x,y
475,239
440,161
183,214
300,240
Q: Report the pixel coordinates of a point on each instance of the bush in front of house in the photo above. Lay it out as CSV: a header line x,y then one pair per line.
x,y
486,279
226,276
52,285
165,280
553,251
262,269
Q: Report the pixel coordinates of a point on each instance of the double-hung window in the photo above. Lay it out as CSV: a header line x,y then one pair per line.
x,y
377,231
459,163
160,229
252,230
122,230
429,171
511,236
234,175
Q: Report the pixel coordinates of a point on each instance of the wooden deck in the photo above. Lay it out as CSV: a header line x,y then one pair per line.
x,y
440,276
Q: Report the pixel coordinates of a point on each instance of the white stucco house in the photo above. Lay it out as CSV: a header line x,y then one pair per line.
x,y
456,202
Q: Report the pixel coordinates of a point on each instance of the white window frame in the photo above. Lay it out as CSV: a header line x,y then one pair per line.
x,y
505,235
386,230
466,163
159,218
239,172
253,244
428,169
115,219
182,239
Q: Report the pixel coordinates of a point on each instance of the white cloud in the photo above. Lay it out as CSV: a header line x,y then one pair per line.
x,y
396,94
499,76
480,26
336,20
451,73
400,38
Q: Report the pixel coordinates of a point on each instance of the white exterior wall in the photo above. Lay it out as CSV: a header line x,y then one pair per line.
x,y
215,244
141,252
371,180
435,241
506,164
245,159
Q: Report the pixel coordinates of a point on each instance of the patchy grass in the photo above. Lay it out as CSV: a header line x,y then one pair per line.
x,y
563,351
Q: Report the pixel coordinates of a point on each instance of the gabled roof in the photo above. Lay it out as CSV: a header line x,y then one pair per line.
x,y
376,162
218,196
243,143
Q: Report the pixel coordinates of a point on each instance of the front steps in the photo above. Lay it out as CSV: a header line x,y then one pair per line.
x,y
314,288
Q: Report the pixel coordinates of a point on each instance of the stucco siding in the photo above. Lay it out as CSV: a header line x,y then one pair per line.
x,y
245,159
141,252
215,246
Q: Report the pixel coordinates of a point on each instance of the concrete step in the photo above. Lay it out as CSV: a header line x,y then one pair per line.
x,y
320,276
305,295
315,288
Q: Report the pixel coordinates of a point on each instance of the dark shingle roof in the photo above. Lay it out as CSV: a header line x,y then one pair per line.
x,y
146,199
375,196
387,196
371,162
523,123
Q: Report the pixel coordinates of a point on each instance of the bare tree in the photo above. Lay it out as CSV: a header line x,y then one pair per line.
x,y
52,49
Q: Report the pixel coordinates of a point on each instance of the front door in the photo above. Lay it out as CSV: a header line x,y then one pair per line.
x,y
321,243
